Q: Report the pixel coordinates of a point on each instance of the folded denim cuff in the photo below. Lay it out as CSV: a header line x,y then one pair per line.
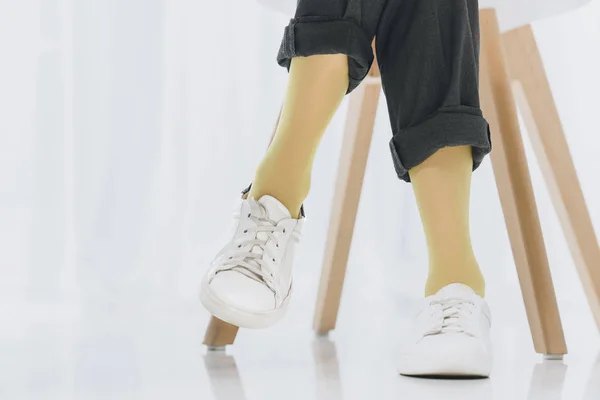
x,y
307,36
448,127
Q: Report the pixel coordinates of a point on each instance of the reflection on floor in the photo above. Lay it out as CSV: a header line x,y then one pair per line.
x,y
546,383
155,352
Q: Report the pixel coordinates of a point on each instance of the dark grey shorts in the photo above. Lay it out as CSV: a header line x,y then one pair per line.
x,y
428,54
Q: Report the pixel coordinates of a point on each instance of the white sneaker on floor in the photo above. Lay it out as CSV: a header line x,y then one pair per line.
x,y
249,283
451,336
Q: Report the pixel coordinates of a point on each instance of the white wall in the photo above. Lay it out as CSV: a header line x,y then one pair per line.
x,y
128,127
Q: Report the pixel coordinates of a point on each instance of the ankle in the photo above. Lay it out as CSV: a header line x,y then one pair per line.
x,y
290,202
478,286
468,273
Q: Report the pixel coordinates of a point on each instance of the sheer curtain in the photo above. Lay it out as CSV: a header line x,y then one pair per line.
x,y
127,129
124,127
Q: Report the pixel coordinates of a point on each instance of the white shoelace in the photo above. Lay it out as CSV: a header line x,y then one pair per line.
x,y
249,259
452,315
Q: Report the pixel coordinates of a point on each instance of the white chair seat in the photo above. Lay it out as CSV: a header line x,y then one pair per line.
x,y
515,13
511,13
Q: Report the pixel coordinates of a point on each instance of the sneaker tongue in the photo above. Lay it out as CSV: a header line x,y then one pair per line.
x,y
455,290
275,211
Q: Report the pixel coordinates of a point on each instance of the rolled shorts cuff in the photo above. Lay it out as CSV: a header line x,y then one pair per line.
x,y
307,36
448,127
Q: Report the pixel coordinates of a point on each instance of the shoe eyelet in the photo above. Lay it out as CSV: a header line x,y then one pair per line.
x,y
239,246
273,260
249,214
230,258
283,230
246,231
277,245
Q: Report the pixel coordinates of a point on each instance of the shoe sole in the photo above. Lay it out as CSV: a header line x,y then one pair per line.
x,y
238,317
467,366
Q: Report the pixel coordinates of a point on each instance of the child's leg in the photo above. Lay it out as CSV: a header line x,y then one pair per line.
x,y
428,52
327,48
442,185
316,87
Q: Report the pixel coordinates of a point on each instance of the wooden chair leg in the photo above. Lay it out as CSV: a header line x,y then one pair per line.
x,y
543,124
516,193
219,333
351,172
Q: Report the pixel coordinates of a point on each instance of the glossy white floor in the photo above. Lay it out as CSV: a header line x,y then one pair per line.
x,y
132,349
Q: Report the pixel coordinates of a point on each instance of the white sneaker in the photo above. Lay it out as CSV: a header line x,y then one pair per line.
x,y
451,336
250,281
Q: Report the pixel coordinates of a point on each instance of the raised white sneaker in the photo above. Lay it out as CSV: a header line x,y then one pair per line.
x,y
250,281
451,336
